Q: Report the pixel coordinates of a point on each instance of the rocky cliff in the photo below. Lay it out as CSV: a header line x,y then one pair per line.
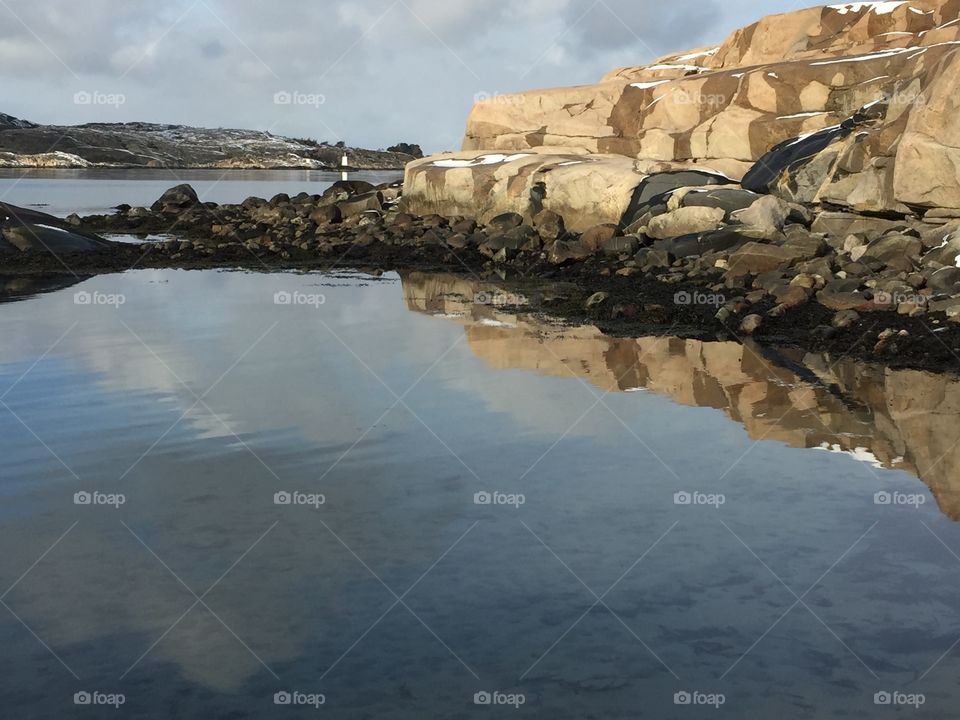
x,y
26,144
850,106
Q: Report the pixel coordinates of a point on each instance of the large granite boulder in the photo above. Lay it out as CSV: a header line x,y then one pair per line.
x,y
848,105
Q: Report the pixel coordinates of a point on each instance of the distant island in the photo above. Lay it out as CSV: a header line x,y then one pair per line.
x,y
24,144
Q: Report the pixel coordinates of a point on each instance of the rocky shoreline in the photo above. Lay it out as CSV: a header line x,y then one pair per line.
x,y
24,144
883,290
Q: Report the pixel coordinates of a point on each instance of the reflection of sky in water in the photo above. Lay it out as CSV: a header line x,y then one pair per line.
x,y
288,411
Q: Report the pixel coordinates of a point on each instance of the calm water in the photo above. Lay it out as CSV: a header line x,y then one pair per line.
x,y
88,192
783,585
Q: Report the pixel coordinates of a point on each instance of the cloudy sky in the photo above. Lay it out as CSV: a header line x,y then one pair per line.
x,y
369,72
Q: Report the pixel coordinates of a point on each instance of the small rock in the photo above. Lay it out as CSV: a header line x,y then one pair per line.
x,y
506,221
550,225
596,299
750,324
845,318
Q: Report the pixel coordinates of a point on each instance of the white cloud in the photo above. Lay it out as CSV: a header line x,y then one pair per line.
x,y
391,71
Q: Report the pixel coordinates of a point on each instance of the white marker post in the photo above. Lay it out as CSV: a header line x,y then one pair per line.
x,y
345,164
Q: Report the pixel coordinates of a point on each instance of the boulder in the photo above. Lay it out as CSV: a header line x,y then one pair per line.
x,y
359,204
550,225
176,199
595,237
728,199
504,222
23,230
564,251
768,214
758,257
326,215
685,221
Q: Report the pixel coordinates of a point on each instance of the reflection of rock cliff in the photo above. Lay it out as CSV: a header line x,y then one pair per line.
x,y
894,418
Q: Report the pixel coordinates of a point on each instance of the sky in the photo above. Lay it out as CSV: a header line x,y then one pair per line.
x,y
369,72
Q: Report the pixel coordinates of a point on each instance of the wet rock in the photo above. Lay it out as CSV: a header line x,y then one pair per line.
x,y
23,230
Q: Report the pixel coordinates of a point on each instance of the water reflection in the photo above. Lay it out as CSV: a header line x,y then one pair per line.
x,y
301,398
902,419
